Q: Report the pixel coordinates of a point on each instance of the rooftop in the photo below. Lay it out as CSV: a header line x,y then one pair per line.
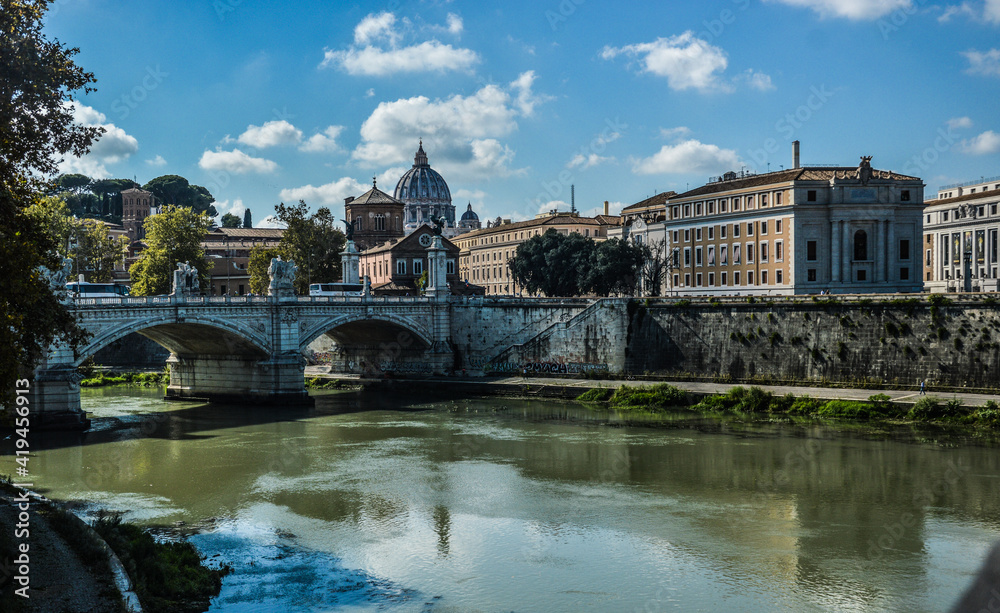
x,y
787,176
992,193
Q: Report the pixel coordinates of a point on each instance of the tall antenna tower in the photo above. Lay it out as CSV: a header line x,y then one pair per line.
x,y
572,198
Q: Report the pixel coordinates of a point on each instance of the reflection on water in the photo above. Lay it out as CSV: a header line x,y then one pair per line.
x,y
372,501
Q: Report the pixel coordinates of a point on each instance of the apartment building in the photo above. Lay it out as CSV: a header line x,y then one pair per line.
x,y
961,228
484,253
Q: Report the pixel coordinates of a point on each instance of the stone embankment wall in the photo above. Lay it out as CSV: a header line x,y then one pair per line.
x,y
947,341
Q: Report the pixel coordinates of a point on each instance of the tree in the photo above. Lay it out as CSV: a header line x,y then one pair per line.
x,y
260,261
614,268
313,242
36,130
655,267
552,263
173,236
230,221
174,189
247,219
88,243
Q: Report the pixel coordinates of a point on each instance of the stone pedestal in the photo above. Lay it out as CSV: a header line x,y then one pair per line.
x,y
350,263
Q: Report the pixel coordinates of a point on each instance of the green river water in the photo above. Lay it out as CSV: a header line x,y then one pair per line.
x,y
372,502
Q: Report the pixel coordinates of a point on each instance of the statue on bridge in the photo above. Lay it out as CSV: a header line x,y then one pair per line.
x,y
439,222
282,275
348,230
186,279
57,278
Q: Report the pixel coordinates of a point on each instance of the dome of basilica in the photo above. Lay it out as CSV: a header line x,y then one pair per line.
x,y
424,191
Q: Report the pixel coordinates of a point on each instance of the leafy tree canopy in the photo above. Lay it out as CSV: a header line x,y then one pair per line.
x,y
174,189
313,242
571,265
247,219
230,221
86,242
260,261
173,236
36,131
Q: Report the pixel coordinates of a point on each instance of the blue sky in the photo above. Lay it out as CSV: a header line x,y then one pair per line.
x,y
515,101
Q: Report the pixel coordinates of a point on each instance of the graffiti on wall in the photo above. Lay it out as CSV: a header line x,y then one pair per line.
x,y
551,367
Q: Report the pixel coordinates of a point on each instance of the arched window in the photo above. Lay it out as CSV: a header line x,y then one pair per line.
x,y
860,245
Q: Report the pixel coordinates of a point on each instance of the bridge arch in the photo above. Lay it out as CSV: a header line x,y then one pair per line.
x,y
361,328
196,335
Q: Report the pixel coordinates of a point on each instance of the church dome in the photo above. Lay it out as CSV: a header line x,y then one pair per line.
x,y
469,214
422,184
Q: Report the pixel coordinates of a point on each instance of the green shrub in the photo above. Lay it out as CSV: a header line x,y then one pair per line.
x,y
739,399
805,405
595,395
925,409
657,397
847,409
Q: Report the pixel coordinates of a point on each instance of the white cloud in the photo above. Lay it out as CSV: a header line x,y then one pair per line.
x,y
236,208
332,193
758,80
236,162
991,11
959,122
157,161
690,156
115,145
272,133
269,222
370,93
558,205
583,162
376,50
526,99
468,196
983,62
852,9
986,143
672,132
614,208
323,141
685,60
460,133
962,9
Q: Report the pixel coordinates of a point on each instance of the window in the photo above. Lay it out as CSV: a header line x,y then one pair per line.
x,y
698,279
763,200
904,249
811,274
763,227
675,236
711,279
779,251
687,256
722,232
736,230
749,228
927,258
697,256
811,251
711,255
862,275
711,232
676,257
400,267
687,279
724,279
687,210
777,200
711,209
861,247
749,253
763,252
993,209
749,277
697,234
944,215
675,212
697,211
811,196
418,266
687,235
749,202
723,255
736,253
904,274
904,195
450,267
777,277
736,278
736,207
763,277
722,208
777,226
677,279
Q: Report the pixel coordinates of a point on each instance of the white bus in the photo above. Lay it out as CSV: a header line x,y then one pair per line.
x,y
96,290
335,289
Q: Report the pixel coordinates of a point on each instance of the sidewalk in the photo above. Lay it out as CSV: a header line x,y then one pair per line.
x,y
537,386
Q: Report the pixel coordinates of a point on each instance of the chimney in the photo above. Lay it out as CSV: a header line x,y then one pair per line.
x,y
795,154
605,207
348,200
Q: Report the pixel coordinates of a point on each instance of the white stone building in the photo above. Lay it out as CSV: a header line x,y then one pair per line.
x,y
961,235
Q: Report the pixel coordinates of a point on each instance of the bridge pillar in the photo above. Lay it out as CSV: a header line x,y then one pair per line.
x,y
55,393
441,355
276,379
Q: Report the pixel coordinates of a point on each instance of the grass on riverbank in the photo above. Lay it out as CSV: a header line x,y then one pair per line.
x,y
169,577
138,379
754,400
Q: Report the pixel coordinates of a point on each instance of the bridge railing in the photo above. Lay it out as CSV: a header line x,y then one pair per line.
x,y
138,301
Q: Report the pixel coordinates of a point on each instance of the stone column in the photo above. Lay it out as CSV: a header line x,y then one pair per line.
x,y
835,251
350,261
879,252
441,355
891,247
848,255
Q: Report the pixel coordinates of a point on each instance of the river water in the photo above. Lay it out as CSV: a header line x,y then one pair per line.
x,y
375,502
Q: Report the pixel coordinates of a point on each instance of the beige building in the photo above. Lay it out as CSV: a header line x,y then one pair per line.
x,y
229,251
796,231
961,228
484,253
